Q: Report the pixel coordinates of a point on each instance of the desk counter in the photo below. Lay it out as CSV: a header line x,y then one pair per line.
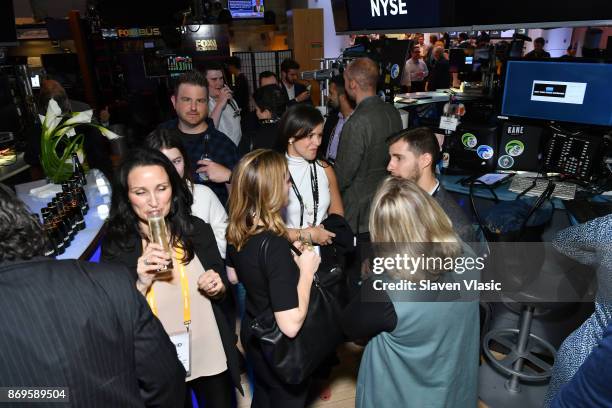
x,y
85,242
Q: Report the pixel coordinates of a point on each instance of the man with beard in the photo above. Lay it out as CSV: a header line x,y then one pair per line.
x,y
224,110
212,154
413,155
296,92
341,108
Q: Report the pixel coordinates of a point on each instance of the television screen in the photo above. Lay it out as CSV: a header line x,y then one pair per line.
x,y
8,31
399,15
559,91
246,8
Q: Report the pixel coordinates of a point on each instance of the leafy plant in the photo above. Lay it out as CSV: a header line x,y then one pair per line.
x,y
59,140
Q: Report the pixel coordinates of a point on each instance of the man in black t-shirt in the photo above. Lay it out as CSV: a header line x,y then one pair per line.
x,y
212,154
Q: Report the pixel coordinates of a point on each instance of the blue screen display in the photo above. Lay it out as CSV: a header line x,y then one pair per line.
x,y
559,91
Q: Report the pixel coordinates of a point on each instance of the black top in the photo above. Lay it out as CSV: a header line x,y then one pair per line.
x,y
84,326
241,93
264,137
461,223
439,75
276,285
364,319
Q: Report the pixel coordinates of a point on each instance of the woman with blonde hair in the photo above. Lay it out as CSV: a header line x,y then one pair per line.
x,y
277,280
426,346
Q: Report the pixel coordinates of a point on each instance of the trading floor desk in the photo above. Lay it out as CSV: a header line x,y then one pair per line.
x,y
485,198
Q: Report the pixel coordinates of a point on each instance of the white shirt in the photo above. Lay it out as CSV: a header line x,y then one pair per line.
x,y
414,72
299,169
290,91
207,207
229,124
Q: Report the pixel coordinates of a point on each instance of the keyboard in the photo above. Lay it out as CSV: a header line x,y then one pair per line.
x,y
564,191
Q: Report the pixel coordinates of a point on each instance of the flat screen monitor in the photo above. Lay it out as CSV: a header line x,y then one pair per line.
x,y
246,8
577,92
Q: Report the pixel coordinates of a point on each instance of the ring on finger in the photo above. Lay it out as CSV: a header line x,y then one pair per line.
x,y
146,262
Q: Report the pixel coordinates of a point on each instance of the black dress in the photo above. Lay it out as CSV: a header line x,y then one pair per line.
x,y
273,287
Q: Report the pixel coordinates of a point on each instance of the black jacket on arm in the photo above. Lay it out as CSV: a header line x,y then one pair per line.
x,y
84,326
205,247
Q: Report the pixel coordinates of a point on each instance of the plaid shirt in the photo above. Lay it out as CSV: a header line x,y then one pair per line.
x,y
220,150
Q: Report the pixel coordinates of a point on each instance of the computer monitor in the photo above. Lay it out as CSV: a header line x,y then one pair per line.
x,y
246,8
577,92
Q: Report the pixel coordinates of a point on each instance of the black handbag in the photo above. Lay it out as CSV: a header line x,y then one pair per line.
x,y
295,359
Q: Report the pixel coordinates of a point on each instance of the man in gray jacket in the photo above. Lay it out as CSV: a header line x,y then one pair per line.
x,y
361,160
363,153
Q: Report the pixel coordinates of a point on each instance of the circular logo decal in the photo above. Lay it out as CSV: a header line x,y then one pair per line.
x,y
469,140
484,152
515,148
505,162
395,70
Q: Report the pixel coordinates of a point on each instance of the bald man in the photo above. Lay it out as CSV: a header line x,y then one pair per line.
x,y
362,155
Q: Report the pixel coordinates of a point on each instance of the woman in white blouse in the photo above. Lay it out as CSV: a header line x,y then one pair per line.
x,y
206,205
314,192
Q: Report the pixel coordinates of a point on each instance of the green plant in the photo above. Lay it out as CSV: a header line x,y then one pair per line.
x,y
59,140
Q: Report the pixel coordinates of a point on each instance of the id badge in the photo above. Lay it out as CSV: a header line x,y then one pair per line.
x,y
182,342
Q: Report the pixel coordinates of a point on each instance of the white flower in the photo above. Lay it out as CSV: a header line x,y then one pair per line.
x,y
109,135
80,117
53,117
69,130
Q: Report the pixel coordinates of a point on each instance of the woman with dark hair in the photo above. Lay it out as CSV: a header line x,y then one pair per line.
x,y
276,281
190,301
314,190
270,104
206,205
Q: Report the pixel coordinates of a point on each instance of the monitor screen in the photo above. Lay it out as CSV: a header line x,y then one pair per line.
x,y
246,8
559,91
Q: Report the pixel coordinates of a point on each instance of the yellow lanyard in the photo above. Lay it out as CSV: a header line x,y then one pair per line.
x,y
184,290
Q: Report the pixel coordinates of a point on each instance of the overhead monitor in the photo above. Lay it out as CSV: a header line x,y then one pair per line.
x,y
577,92
246,8
375,16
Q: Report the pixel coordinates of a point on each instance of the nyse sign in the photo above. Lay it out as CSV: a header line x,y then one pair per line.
x,y
388,7
206,45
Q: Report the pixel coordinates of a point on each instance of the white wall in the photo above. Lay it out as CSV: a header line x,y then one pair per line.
x,y
332,44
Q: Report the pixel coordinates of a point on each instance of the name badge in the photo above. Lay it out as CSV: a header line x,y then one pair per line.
x,y
182,342
449,123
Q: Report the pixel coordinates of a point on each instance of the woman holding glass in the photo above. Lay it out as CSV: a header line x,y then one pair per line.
x,y
279,280
184,280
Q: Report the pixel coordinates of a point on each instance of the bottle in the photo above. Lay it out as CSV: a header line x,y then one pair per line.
x,y
205,156
57,213
158,233
75,208
53,228
51,245
77,191
78,169
67,214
